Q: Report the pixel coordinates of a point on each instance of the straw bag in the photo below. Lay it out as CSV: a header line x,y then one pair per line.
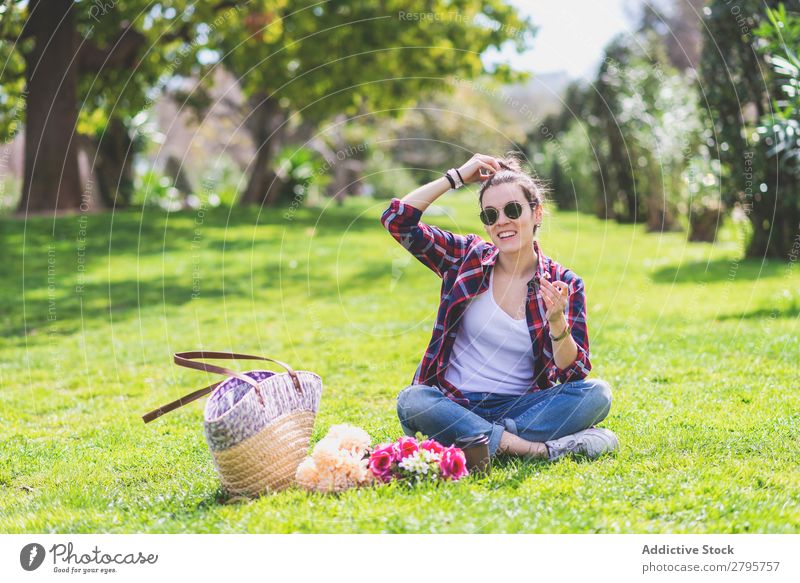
x,y
257,424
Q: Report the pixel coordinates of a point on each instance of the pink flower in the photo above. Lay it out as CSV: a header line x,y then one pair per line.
x,y
453,463
381,460
432,445
406,446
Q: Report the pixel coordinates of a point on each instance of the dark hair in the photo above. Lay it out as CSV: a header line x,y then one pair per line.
x,y
532,188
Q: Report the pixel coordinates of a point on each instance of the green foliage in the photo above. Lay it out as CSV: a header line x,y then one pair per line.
x,y
730,74
326,58
164,34
560,189
445,129
739,87
303,174
573,168
306,62
153,188
658,113
626,141
12,87
781,129
386,177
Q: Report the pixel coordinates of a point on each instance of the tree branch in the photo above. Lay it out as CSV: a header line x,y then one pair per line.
x,y
118,54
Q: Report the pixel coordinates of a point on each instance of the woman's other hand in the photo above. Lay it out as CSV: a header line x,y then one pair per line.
x,y
555,297
479,168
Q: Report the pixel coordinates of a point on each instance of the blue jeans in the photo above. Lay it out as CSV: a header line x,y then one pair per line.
x,y
541,416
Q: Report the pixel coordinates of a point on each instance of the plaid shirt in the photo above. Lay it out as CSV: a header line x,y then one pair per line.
x,y
464,263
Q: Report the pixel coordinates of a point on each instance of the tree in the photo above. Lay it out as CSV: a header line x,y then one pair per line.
x,y
739,87
616,170
302,63
781,128
653,127
75,62
678,25
444,129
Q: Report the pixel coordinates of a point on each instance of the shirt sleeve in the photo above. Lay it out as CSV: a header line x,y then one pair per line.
x,y
435,248
576,319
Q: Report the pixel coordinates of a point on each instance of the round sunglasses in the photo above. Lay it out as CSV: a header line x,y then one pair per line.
x,y
513,210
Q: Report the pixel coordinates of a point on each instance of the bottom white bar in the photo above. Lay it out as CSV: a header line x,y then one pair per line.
x,y
388,558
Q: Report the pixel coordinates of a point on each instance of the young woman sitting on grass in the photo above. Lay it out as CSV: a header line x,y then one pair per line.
x,y
509,355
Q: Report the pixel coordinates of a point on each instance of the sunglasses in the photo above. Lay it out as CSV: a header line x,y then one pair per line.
x,y
512,210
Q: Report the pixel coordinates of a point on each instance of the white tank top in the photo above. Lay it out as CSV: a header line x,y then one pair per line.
x,y
492,351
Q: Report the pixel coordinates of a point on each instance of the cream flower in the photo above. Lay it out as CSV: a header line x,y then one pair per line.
x,y
327,453
337,462
350,438
307,474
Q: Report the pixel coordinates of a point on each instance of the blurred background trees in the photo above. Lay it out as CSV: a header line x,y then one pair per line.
x,y
690,119
742,93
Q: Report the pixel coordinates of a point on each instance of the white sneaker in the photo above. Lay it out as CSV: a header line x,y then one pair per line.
x,y
590,443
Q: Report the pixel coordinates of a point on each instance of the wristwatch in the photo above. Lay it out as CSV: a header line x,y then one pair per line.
x,y
563,335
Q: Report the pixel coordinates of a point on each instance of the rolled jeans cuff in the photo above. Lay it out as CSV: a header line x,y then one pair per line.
x,y
494,438
510,425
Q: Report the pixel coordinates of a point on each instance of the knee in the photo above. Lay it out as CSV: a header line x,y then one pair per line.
x,y
414,400
599,395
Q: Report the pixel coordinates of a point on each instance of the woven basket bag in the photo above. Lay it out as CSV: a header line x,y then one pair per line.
x,y
257,424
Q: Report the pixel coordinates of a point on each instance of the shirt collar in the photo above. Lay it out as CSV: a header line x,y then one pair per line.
x,y
491,252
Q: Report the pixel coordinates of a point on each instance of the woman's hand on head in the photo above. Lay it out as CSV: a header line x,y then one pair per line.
x,y
478,168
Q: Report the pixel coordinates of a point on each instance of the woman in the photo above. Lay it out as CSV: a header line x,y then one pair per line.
x,y
509,354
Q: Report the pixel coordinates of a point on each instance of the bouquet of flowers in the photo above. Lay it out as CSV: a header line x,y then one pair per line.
x,y
339,461
343,459
411,460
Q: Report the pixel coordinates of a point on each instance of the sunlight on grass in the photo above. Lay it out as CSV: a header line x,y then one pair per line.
x,y
700,349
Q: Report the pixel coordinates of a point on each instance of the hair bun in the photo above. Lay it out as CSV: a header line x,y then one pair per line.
x,y
511,162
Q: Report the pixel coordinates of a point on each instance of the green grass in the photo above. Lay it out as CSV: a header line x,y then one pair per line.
x,y
701,351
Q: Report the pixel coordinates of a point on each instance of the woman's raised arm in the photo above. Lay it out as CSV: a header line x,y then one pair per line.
x,y
436,248
477,168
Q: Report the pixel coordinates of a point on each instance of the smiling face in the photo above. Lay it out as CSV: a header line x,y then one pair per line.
x,y
516,233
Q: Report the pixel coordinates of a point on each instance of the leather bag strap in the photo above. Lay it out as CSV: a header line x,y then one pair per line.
x,y
187,359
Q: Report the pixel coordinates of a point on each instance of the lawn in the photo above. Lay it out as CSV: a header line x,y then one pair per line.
x,y
701,350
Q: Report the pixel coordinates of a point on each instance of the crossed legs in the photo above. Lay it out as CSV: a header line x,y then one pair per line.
x,y
515,424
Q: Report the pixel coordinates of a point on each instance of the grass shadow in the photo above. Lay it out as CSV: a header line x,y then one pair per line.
x,y
790,311
45,258
719,270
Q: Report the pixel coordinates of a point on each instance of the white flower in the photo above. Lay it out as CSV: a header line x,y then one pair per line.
x,y
430,456
415,464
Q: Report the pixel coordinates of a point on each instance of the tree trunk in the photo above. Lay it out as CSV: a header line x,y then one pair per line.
x,y
776,220
603,204
660,214
603,207
51,179
175,169
87,152
704,222
622,183
264,185
347,180
114,165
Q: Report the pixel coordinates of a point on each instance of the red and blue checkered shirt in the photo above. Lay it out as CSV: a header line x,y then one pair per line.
x,y
464,263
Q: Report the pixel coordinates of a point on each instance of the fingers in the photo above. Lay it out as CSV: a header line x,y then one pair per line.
x,y
558,287
550,297
556,292
480,167
491,161
485,166
561,287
